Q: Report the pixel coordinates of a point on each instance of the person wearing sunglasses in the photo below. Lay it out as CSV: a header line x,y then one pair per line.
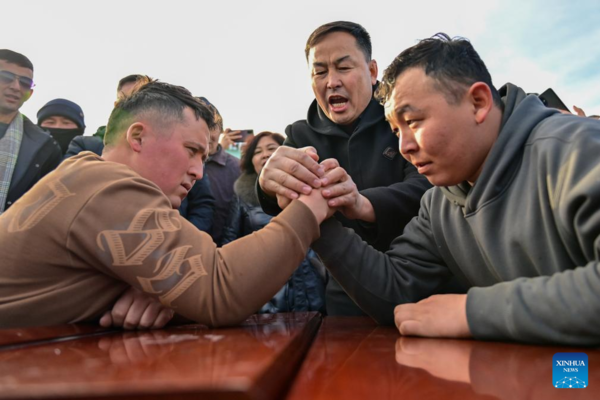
x,y
28,152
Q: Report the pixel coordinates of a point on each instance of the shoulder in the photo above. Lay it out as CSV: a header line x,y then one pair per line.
x,y
298,127
570,135
231,161
35,133
107,178
39,139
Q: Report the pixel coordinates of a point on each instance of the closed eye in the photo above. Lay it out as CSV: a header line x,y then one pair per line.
x,y
193,150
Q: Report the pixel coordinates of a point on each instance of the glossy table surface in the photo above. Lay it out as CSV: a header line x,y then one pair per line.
x,y
28,336
255,361
352,358
292,356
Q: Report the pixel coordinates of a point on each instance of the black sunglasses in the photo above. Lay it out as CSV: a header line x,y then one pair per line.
x,y
8,77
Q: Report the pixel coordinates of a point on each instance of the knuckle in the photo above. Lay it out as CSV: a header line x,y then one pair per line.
x,y
118,315
293,168
282,179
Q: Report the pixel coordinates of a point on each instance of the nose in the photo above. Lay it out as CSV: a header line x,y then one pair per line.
x,y
15,85
196,170
333,80
267,154
407,143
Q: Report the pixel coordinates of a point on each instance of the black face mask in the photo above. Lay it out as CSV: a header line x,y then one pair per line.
x,y
64,136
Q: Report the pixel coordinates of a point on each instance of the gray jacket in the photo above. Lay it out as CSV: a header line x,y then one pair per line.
x,y
525,237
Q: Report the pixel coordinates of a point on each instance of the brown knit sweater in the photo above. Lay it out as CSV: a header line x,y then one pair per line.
x,y
92,228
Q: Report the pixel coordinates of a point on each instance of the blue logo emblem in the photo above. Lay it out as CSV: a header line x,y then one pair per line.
x,y
570,370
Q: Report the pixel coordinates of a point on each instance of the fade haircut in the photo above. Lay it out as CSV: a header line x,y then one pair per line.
x,y
453,64
15,58
363,39
162,101
246,161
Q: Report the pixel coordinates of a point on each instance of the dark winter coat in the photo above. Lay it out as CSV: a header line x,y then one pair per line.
x,y
38,155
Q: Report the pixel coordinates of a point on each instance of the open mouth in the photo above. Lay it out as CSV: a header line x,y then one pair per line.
x,y
338,103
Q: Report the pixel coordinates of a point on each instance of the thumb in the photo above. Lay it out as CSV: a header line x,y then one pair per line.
x,y
106,320
312,152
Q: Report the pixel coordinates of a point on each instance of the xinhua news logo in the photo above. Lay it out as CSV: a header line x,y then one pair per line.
x,y
570,370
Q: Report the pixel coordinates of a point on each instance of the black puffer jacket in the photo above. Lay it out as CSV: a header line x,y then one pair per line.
x,y
305,290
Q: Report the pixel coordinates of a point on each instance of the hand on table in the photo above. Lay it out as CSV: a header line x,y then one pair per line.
x,y
442,315
137,310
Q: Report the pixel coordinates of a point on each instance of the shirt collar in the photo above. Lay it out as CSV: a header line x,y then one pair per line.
x,y
220,157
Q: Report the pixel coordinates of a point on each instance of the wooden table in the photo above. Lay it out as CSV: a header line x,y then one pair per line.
x,y
352,358
255,361
349,358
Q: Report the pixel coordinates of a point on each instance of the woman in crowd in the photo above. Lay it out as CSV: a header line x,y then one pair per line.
x,y
305,290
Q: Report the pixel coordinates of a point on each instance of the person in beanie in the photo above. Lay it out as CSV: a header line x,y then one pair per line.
x,y
28,153
63,119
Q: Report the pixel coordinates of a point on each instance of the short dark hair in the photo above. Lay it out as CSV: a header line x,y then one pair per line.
x,y
15,58
216,113
363,39
160,98
453,64
246,161
130,79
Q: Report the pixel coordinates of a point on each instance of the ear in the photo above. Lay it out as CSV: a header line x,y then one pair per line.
x,y
136,133
480,96
373,71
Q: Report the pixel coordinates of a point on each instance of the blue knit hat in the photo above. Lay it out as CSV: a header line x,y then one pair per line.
x,y
64,108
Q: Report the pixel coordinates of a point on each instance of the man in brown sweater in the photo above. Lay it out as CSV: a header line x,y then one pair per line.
x,y
97,226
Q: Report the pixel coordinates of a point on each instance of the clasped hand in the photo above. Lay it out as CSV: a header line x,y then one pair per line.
x,y
291,172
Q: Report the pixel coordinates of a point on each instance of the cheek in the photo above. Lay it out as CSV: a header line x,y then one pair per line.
x,y
434,142
319,89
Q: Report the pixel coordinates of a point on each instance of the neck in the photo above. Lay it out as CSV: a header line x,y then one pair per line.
x,y
216,150
492,130
114,154
7,118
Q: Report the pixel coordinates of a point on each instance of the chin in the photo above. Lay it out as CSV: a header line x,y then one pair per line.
x,y
176,203
443,181
342,119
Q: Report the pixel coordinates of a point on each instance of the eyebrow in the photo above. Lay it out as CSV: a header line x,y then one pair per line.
x,y
200,148
336,62
405,108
